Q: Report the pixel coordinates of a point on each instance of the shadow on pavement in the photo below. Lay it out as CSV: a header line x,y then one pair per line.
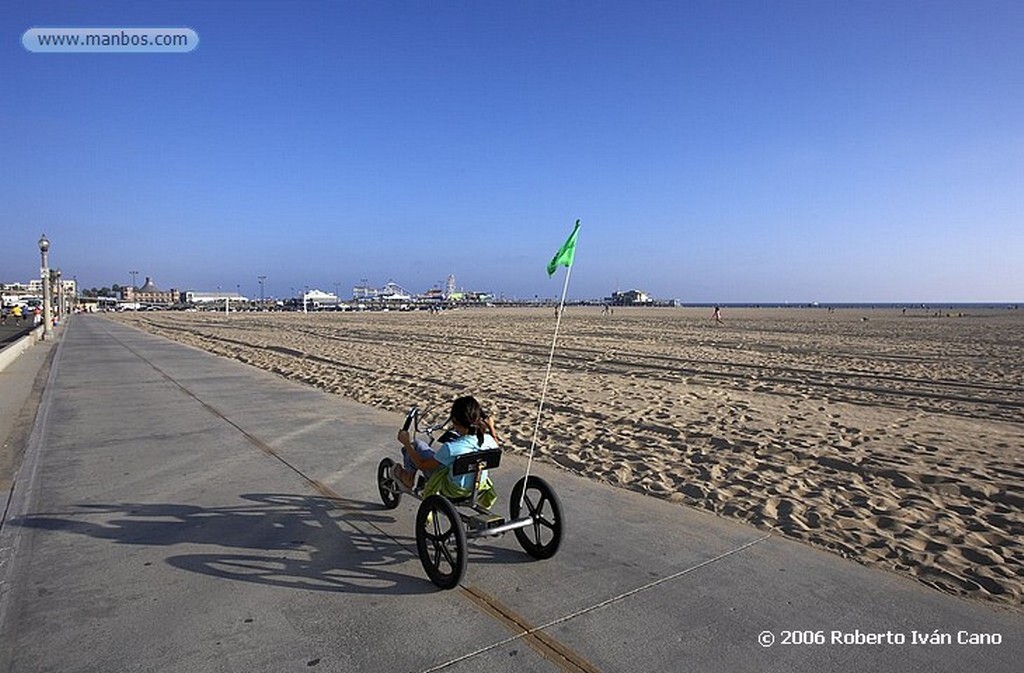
x,y
301,542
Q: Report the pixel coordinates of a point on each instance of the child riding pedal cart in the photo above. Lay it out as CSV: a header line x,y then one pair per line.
x,y
457,495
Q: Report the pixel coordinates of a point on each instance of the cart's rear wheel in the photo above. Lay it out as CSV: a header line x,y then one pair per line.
x,y
542,537
441,541
389,493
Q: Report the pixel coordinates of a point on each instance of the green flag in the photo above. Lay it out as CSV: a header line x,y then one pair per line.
x,y
565,254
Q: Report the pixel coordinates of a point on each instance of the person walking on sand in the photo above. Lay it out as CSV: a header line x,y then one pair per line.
x,y
718,315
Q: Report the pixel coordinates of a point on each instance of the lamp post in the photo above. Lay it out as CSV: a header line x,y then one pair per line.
x,y
59,285
44,272
263,303
133,274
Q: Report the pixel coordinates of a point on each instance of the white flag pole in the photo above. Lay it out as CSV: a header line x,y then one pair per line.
x,y
544,389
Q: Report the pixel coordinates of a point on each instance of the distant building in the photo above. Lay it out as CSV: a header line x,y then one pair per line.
x,y
471,297
315,299
35,286
630,298
18,293
391,291
434,295
149,293
64,290
193,297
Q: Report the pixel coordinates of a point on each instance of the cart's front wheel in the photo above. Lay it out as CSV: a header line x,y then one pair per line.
x,y
542,537
386,486
441,541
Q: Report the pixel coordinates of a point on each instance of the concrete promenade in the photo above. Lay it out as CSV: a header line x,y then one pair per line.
x,y
177,511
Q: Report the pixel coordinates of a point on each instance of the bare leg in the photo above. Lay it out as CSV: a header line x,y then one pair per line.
x,y
402,475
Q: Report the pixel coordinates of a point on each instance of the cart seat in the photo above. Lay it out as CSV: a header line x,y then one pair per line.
x,y
471,463
485,459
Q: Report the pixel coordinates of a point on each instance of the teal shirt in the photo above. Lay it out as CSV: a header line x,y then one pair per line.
x,y
449,451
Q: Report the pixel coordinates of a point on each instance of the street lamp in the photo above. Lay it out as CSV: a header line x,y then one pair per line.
x,y
59,284
44,272
133,274
262,300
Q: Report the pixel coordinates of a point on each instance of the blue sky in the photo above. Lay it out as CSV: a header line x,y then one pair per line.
x,y
724,151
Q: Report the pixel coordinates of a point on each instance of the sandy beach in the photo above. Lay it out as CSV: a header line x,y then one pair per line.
x,y
895,440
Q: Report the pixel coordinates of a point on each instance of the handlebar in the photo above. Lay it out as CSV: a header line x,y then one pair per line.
x,y
410,418
417,416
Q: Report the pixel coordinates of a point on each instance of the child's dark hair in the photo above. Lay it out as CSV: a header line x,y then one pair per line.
x,y
467,412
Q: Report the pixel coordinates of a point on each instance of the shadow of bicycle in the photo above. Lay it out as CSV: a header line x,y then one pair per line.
x,y
302,542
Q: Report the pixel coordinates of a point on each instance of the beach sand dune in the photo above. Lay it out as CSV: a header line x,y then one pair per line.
x,y
896,440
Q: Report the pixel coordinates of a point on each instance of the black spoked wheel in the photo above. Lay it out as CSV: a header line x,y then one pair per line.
x,y
386,486
542,537
441,541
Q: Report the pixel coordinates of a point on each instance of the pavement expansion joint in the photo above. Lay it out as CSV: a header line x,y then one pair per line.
x,y
551,648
